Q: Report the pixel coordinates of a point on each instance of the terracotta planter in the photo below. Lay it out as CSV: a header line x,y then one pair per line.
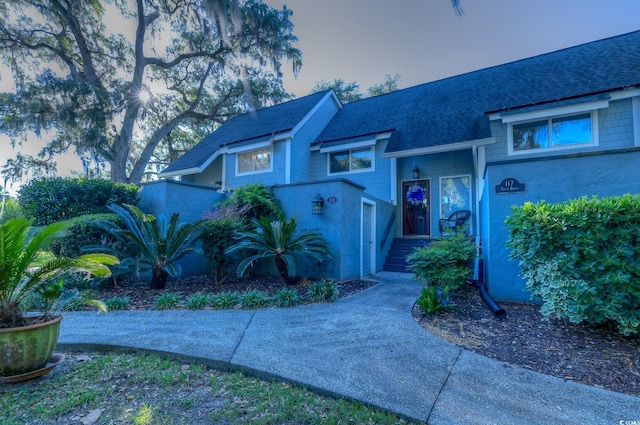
x,y
27,348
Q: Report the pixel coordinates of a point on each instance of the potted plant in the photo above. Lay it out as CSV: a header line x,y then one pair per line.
x,y
27,340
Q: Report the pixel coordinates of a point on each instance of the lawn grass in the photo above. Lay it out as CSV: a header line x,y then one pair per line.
x,y
144,389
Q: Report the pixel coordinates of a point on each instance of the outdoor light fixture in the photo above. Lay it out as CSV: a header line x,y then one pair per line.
x,y
416,172
316,206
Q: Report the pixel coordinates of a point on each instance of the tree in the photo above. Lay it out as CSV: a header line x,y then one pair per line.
x,y
350,92
390,84
125,98
346,92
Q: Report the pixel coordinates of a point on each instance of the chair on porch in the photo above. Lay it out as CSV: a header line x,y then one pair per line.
x,y
456,220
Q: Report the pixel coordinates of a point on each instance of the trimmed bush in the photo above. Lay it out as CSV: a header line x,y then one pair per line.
x,y
48,200
444,263
581,258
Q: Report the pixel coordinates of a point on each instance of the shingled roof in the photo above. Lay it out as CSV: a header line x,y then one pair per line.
x,y
454,110
252,126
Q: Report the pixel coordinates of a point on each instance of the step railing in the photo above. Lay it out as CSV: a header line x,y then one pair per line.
x,y
387,230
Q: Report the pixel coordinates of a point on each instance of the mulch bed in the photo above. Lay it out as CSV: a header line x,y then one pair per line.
x,y
143,298
597,356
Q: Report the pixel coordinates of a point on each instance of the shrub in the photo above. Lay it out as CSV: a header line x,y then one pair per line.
x,y
167,301
286,297
581,258
48,200
253,298
323,290
444,263
197,301
225,300
117,302
218,230
258,200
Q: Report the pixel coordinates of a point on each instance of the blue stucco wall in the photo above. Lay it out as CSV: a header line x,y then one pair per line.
x,y
339,223
166,197
553,180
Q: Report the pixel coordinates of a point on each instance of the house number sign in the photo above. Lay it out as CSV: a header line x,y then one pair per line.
x,y
510,185
332,199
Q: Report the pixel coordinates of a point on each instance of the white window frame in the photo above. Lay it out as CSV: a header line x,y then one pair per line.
x,y
457,176
268,148
350,150
594,134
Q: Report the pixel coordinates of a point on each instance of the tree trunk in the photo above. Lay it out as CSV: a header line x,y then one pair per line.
x,y
284,272
159,278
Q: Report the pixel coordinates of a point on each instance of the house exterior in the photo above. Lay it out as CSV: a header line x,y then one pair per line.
x,y
554,127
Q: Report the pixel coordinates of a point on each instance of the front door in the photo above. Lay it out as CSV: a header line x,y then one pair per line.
x,y
415,208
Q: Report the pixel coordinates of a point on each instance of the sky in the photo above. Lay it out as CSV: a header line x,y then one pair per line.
x,y
424,40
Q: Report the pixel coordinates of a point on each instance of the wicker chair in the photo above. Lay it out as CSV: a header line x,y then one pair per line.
x,y
456,220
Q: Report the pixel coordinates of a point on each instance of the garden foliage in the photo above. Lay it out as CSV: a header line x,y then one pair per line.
x,y
219,228
257,201
48,200
283,242
159,242
581,258
444,263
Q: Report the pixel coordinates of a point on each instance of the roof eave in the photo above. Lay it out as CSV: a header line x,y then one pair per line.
x,y
440,148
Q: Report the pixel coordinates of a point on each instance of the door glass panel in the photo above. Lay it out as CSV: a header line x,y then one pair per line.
x,y
455,194
415,206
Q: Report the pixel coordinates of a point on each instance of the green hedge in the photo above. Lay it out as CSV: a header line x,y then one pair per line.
x,y
49,200
581,258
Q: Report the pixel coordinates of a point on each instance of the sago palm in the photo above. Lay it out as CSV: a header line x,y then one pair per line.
x,y
160,243
281,241
26,268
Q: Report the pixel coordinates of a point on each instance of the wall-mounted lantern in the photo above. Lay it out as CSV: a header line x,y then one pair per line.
x,y
416,172
316,205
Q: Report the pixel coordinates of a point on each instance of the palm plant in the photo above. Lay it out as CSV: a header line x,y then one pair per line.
x,y
160,243
27,269
281,241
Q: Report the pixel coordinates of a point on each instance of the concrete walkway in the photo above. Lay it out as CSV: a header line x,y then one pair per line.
x,y
365,347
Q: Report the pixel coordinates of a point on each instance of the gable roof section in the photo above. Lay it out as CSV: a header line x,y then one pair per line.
x,y
251,127
454,110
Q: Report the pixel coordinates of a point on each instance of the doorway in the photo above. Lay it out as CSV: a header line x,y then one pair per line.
x,y
367,260
416,208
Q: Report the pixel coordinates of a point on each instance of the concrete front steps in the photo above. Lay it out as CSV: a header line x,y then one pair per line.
x,y
400,248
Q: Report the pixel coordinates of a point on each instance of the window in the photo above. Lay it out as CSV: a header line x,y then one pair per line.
x,y
455,194
350,160
552,133
254,161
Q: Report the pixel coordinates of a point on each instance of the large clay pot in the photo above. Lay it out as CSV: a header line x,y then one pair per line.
x,y
27,348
